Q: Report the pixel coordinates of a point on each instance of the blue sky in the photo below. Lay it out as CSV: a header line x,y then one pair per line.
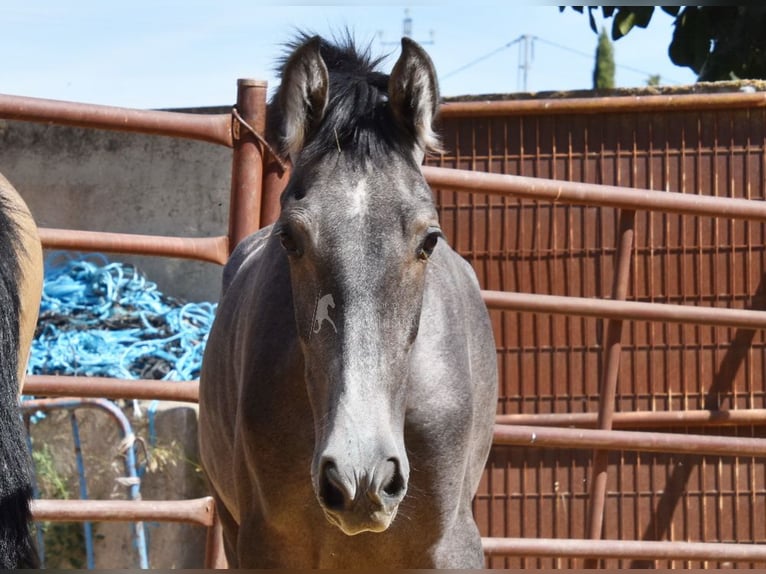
x,y
172,53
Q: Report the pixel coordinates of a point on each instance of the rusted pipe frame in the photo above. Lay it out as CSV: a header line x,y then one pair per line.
x,y
215,557
211,128
641,419
624,310
105,387
554,437
210,249
608,388
615,104
611,549
597,195
191,511
247,170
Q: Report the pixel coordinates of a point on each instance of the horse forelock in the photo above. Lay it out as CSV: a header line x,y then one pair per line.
x,y
357,120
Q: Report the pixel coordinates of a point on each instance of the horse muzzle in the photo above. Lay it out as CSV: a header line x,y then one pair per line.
x,y
359,502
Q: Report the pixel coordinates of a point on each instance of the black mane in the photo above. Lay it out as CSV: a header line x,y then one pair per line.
x,y
357,116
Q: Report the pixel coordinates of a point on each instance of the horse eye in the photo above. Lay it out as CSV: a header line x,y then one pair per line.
x,y
429,244
288,243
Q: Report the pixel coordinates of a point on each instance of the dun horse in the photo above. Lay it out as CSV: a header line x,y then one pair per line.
x,y
20,287
349,383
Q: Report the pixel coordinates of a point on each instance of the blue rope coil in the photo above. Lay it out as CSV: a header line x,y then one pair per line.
x,y
102,318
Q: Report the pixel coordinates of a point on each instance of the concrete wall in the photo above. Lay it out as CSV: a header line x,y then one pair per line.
x,y
108,181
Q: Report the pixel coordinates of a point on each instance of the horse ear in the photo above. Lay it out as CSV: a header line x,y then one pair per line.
x,y
413,91
303,95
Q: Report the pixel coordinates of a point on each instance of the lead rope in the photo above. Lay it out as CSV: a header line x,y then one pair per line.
x,y
260,138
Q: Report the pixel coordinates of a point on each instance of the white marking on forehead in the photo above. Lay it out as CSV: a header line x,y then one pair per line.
x,y
358,199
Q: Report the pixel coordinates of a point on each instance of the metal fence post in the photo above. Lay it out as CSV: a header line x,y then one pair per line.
x,y
247,161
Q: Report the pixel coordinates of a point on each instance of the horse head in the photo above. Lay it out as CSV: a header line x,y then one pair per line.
x,y
358,225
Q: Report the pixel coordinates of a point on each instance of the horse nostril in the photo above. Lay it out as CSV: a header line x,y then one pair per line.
x,y
331,489
394,485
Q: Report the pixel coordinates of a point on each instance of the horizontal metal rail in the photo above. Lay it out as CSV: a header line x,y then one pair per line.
x,y
210,249
598,195
641,419
105,387
199,511
188,391
630,310
535,436
604,105
611,549
212,128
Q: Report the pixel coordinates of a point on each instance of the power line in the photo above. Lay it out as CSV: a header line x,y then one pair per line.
x,y
482,58
590,56
550,43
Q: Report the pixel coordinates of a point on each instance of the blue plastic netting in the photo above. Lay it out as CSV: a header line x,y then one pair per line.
x,y
102,318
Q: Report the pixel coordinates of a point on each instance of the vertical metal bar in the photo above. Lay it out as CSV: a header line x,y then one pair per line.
x,y
274,181
247,161
35,494
214,554
86,526
612,350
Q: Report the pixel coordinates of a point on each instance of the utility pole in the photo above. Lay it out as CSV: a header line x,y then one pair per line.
x,y
407,31
526,55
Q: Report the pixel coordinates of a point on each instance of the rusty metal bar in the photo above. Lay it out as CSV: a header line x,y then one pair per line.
x,y
555,437
247,162
215,557
210,249
612,352
641,419
619,104
204,127
626,310
274,182
104,387
600,549
192,511
557,191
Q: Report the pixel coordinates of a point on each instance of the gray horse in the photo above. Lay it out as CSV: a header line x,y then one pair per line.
x,y
349,383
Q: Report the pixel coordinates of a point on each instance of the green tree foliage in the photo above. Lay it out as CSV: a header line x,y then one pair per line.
x,y
717,42
603,72
653,80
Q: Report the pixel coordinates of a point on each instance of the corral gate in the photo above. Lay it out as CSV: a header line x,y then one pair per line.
x,y
569,255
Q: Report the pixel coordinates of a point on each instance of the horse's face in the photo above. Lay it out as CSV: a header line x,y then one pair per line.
x,y
358,233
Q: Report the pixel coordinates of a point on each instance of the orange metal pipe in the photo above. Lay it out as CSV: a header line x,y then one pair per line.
x,y
205,127
210,249
104,387
608,389
641,419
194,511
648,549
274,182
215,557
531,436
605,105
633,310
558,191
245,206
